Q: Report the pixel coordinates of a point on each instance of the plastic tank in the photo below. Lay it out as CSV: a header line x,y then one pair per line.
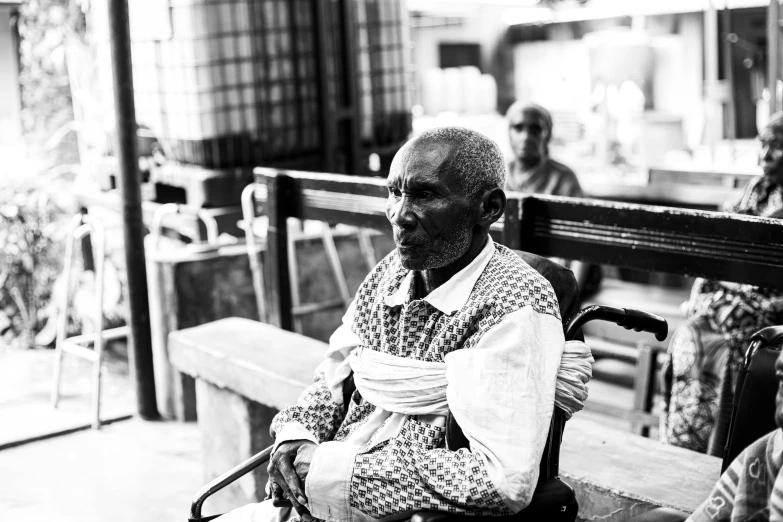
x,y
235,83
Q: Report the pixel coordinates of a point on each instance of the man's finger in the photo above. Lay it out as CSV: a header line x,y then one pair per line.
x,y
277,477
278,498
286,469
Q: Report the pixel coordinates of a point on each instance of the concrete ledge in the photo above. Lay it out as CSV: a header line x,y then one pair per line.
x,y
256,360
617,475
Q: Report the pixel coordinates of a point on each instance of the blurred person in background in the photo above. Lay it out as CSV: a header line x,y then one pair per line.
x,y
533,171
706,351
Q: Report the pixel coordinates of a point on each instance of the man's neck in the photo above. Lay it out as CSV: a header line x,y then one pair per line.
x,y
425,281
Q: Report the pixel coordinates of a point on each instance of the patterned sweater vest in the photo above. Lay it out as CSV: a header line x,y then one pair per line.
x,y
420,331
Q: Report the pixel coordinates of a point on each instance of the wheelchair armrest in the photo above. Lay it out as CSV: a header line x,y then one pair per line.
x,y
548,502
224,480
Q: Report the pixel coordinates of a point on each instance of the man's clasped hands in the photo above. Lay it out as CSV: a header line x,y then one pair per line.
x,y
288,470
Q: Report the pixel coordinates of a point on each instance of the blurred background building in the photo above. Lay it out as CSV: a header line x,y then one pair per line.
x,y
641,92
631,85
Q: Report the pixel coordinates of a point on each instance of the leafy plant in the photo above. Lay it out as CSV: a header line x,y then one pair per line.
x,y
31,260
44,27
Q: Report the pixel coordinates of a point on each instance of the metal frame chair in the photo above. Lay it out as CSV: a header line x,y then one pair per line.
x,y
82,226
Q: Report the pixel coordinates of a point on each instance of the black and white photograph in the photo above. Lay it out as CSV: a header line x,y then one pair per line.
x,y
391,260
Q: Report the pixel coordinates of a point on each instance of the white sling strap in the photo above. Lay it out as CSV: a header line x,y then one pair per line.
x,y
412,387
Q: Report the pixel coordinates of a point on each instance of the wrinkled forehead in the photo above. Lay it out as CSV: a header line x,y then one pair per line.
x,y
423,157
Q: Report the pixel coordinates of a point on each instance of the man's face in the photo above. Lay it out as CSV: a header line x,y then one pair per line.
x,y
771,154
429,211
779,398
528,136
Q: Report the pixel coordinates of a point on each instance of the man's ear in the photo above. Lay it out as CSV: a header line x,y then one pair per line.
x,y
493,206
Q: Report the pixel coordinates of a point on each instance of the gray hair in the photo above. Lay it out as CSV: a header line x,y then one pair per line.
x,y
476,159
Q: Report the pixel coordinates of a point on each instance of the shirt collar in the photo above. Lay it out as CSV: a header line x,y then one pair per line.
x,y
453,294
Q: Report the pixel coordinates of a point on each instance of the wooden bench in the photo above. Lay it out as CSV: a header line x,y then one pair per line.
x,y
696,243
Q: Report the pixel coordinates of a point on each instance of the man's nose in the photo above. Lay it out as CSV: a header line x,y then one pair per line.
x,y
779,363
401,213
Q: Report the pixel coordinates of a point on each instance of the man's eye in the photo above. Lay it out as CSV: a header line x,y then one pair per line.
x,y
395,192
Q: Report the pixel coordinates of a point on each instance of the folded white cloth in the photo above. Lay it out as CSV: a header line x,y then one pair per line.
x,y
411,387
398,384
576,369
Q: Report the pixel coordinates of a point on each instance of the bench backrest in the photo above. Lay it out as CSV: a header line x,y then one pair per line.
x,y
715,245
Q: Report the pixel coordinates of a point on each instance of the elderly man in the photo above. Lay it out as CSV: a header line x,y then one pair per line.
x,y
448,322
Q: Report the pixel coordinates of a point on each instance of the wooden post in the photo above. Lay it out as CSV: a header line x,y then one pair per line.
x,y
140,349
644,386
773,54
277,266
713,106
730,125
511,227
350,102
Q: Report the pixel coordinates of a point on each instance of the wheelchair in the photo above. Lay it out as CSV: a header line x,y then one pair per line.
x,y
553,499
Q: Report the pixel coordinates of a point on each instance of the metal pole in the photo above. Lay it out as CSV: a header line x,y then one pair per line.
x,y
140,349
773,54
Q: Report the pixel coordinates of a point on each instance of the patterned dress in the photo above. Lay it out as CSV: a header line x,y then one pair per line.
x,y
495,331
705,352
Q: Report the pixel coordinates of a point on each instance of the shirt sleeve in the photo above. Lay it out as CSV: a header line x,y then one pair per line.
x,y
320,410
501,392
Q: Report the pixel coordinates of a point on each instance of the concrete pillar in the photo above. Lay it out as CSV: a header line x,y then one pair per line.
x,y
233,429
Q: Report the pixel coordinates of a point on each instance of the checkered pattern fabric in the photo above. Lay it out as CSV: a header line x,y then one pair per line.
x,y
420,331
315,410
414,472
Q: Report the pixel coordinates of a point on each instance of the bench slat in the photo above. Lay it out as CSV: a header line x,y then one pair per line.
x,y
716,245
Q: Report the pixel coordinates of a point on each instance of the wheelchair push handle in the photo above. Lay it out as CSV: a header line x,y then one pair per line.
x,y
626,317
